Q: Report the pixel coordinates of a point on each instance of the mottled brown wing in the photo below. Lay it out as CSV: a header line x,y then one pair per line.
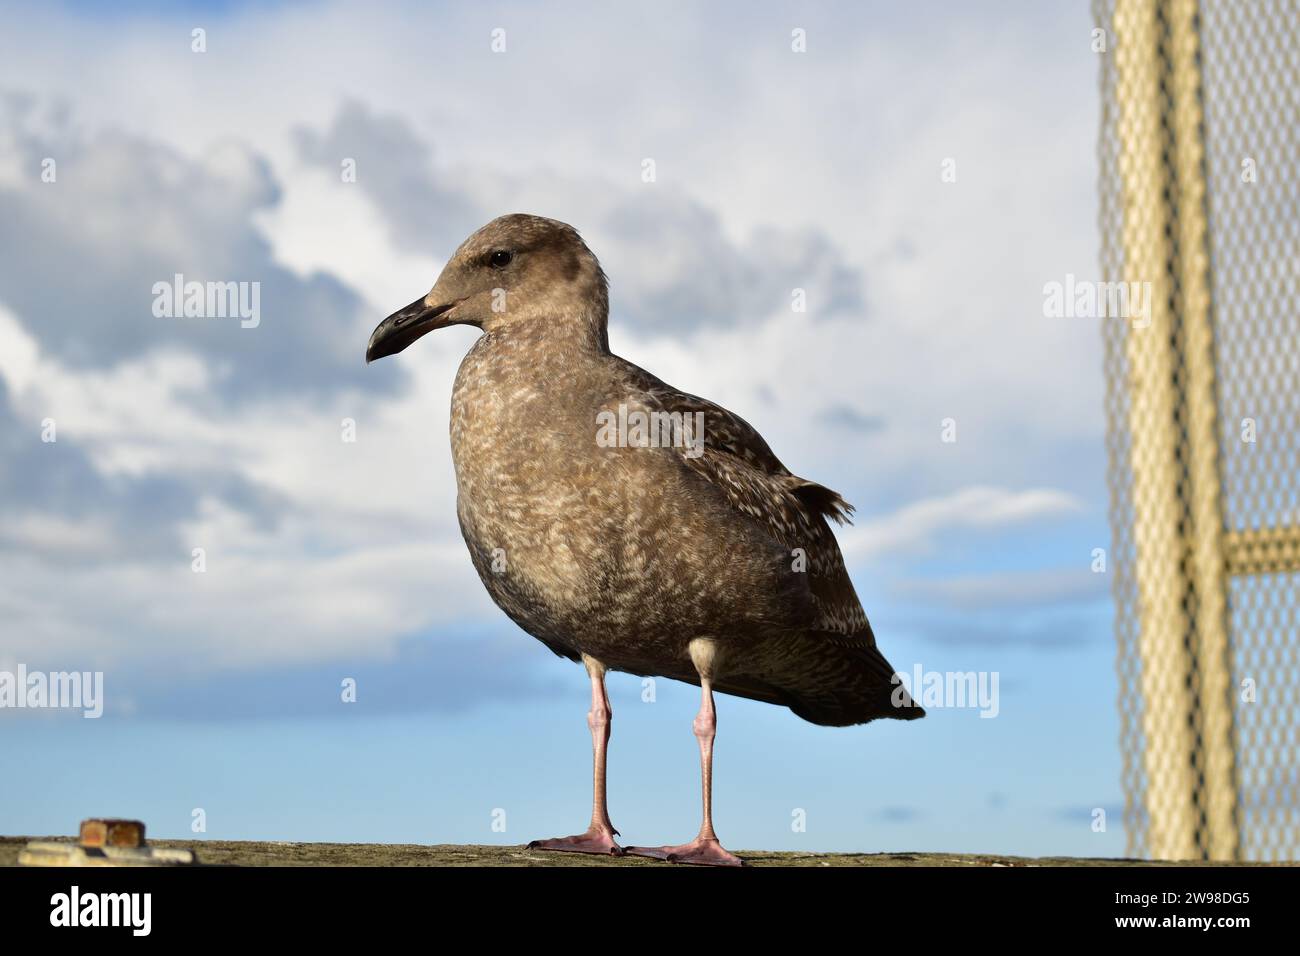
x,y
735,459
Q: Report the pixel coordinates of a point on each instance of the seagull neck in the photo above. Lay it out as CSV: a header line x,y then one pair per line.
x,y
583,333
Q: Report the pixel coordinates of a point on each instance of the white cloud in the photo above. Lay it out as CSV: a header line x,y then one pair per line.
x,y
917,527
59,537
1009,589
18,352
318,547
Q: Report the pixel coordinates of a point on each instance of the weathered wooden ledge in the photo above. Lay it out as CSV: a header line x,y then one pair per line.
x,y
254,853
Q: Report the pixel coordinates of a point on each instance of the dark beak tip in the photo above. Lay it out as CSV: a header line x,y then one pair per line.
x,y
403,327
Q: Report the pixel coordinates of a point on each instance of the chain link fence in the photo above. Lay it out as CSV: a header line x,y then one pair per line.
x,y
1200,205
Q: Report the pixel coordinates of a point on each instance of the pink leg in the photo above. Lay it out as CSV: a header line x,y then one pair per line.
x,y
705,849
599,837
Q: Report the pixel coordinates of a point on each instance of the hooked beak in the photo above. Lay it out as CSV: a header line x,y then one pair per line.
x,y
405,326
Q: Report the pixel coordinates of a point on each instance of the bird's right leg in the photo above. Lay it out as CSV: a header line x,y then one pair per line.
x,y
705,849
599,837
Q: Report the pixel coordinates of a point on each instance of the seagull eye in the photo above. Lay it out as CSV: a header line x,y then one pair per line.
x,y
501,258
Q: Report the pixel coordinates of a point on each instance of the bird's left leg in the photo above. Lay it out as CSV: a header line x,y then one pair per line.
x,y
599,837
705,849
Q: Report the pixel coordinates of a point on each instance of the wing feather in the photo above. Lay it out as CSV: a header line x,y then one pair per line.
x,y
793,511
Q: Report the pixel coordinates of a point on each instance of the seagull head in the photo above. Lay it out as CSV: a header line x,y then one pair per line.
x,y
517,269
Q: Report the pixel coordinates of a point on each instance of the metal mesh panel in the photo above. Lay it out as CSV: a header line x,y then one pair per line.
x,y
1123,554
1252,116
1200,197
1265,620
1252,131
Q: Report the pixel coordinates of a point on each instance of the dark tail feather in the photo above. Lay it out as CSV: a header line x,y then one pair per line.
x,y
832,683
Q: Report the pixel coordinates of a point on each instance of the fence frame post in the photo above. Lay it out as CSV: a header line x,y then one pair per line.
x,y
1181,575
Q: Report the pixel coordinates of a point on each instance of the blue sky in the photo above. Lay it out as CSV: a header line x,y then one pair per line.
x,y
329,560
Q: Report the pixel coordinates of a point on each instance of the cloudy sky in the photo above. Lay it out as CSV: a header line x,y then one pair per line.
x,y
328,559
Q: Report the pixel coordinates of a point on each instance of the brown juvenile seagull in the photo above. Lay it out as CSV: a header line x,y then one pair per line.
x,y
684,549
